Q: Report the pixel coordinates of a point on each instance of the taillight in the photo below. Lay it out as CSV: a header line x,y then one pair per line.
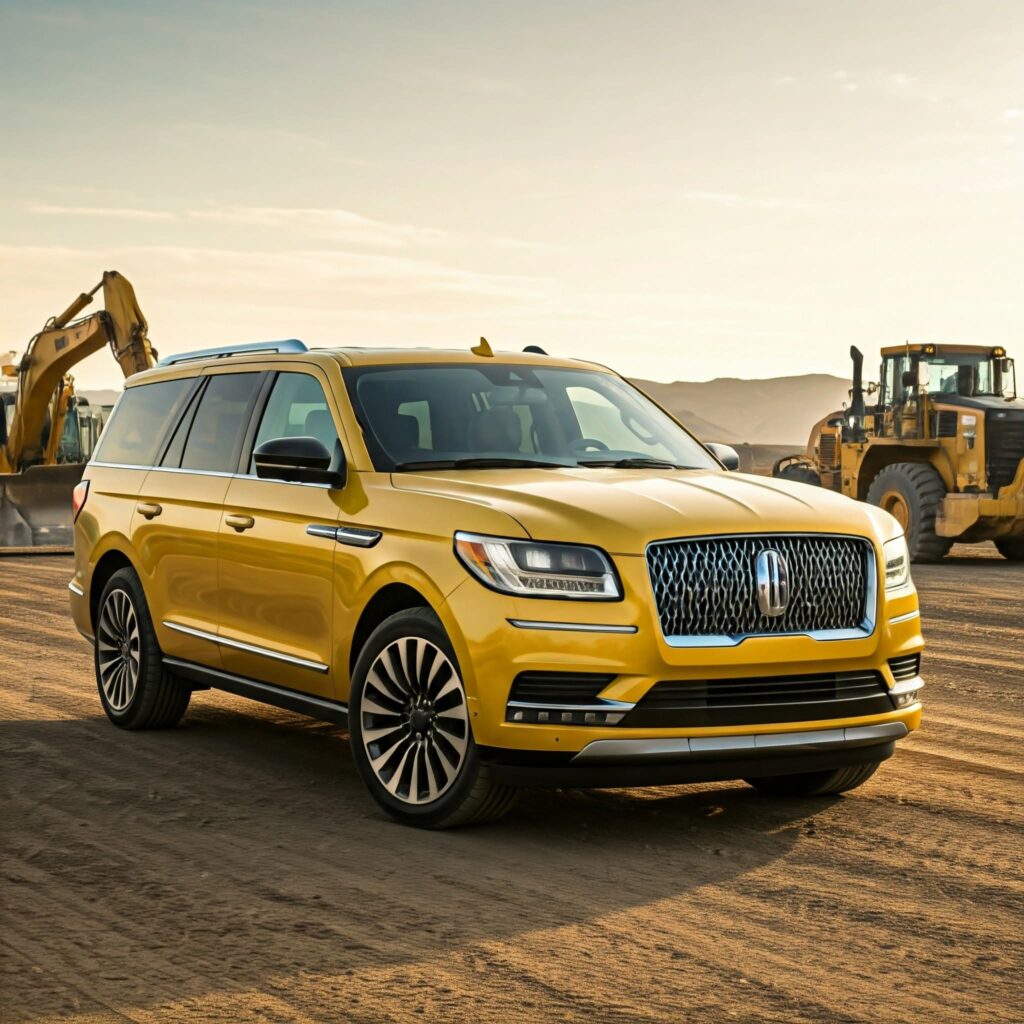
x,y
78,496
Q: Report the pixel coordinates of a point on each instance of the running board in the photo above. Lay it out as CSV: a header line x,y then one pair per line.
x,y
265,693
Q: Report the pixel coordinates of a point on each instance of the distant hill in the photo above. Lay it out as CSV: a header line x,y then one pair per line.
x,y
776,411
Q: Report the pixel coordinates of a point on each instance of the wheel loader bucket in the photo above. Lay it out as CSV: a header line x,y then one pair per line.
x,y
35,507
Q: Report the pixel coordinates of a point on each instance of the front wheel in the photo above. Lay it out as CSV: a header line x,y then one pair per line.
x,y
912,492
410,732
828,783
136,691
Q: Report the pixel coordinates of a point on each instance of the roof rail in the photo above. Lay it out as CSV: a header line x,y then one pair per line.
x,y
223,351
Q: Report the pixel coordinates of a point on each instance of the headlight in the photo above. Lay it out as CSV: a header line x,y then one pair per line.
x,y
897,563
538,570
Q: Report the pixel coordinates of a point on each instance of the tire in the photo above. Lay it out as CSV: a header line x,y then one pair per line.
x,y
801,474
410,731
1011,548
840,780
135,689
912,492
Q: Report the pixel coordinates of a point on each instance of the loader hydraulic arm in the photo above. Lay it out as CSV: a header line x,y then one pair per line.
x,y
61,344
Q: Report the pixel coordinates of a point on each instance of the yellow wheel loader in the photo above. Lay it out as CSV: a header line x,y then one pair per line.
x,y
41,457
942,448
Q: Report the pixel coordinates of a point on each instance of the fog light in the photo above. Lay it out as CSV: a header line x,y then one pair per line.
x,y
904,700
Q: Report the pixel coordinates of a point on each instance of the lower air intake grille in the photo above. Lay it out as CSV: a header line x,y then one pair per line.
x,y
1004,446
558,687
905,667
718,702
706,587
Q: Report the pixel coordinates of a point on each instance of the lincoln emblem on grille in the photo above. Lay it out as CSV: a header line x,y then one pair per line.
x,y
772,575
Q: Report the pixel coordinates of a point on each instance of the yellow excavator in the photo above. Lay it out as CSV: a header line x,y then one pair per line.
x,y
36,476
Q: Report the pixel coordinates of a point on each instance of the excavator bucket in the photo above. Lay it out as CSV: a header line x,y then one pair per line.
x,y
35,508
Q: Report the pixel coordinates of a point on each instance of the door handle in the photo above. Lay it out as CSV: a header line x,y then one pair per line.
x,y
148,510
239,523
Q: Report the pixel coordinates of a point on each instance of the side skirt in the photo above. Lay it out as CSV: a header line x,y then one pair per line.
x,y
266,693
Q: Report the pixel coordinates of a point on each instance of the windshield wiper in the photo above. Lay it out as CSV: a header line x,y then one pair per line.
x,y
480,463
632,463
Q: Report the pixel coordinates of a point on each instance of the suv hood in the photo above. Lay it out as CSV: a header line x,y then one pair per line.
x,y
623,510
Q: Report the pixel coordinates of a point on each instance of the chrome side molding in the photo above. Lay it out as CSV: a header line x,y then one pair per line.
x,y
570,627
238,645
76,589
696,747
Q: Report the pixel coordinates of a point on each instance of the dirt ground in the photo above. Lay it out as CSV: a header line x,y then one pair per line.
x,y
234,870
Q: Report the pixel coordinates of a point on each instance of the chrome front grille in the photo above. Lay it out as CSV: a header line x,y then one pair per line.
x,y
706,588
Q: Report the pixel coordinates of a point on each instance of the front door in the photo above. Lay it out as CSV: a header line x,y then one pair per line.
x,y
276,576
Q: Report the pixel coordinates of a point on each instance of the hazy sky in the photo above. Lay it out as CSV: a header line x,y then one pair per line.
x,y
683,190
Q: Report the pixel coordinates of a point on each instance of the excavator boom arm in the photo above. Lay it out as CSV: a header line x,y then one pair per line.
x,y
58,347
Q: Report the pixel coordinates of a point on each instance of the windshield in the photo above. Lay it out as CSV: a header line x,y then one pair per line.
x,y
473,416
966,375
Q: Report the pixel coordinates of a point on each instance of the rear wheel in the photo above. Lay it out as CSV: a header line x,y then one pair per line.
x,y
410,731
911,492
135,689
840,780
1011,548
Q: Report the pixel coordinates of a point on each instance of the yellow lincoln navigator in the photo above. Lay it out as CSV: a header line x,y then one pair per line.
x,y
499,570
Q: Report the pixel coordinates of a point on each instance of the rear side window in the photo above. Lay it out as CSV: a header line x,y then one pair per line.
x,y
297,407
215,437
142,418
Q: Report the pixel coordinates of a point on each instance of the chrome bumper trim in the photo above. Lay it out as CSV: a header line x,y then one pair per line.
x,y
76,589
708,747
238,645
570,627
916,614
601,705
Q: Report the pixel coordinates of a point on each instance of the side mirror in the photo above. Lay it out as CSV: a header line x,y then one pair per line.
x,y
302,460
909,379
726,454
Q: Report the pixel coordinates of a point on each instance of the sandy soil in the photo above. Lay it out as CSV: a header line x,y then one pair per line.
x,y
232,869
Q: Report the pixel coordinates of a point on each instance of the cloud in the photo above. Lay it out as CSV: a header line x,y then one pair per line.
x,y
326,222
106,212
738,201
343,227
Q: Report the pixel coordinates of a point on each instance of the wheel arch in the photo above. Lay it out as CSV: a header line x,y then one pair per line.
x,y
113,559
880,457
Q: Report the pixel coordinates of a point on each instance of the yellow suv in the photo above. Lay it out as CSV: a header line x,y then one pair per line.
x,y
497,569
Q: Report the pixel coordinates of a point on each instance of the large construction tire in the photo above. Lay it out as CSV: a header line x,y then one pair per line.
x,y
1011,548
912,493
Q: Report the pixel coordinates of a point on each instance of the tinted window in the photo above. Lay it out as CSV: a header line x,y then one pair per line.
x,y
140,421
553,415
297,407
215,437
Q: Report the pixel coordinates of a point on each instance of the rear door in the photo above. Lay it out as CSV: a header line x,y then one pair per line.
x,y
178,514
276,576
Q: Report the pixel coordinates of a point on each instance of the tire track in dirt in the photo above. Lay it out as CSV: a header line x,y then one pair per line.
x,y
233,868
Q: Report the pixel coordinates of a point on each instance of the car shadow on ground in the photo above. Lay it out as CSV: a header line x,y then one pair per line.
x,y
241,846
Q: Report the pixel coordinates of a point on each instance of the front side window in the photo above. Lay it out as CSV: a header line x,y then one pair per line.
x,y
215,437
297,407
418,416
965,374
140,420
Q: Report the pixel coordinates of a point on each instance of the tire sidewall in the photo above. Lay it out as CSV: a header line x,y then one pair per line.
x,y
150,667
416,622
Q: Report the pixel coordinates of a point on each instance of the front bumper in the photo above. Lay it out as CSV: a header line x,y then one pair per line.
x,y
623,641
